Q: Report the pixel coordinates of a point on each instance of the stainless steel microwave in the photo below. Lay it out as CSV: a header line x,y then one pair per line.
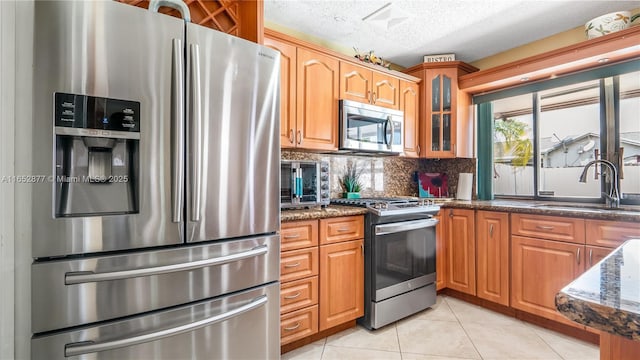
x,y
370,128
304,184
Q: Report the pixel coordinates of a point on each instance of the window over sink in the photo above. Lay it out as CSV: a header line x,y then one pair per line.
x,y
544,134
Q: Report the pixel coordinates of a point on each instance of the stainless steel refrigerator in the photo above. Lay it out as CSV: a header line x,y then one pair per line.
x,y
156,210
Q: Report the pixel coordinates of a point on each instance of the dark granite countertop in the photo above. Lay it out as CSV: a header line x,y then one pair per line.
x,y
328,212
607,296
587,211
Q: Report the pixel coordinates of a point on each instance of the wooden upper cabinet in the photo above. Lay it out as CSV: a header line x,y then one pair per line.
x,y
410,105
461,250
355,82
446,123
287,91
385,91
317,100
360,84
492,256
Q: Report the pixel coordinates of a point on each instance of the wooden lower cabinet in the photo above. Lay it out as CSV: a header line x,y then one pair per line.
x,y
341,283
492,256
539,269
595,254
441,269
298,324
298,294
461,250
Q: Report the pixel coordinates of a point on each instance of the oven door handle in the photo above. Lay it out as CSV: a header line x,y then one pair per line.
x,y
405,226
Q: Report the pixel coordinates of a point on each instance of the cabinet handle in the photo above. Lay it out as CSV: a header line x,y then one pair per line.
x,y
491,230
299,137
294,236
578,256
590,257
369,96
362,249
288,266
291,139
541,227
297,325
291,297
455,150
418,150
344,229
375,97
450,213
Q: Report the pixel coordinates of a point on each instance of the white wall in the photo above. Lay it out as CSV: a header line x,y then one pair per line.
x,y
16,58
7,231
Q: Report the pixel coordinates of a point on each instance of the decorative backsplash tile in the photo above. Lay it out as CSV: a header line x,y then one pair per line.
x,y
387,175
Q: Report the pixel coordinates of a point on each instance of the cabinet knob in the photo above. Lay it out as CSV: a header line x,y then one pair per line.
x,y
418,150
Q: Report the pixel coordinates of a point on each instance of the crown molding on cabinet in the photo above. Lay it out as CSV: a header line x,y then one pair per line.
x,y
616,47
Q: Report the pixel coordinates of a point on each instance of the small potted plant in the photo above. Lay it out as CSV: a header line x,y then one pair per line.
x,y
350,181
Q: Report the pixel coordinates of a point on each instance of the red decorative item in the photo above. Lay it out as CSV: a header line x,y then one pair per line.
x,y
433,185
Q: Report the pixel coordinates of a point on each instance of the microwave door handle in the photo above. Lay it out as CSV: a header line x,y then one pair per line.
x,y
392,126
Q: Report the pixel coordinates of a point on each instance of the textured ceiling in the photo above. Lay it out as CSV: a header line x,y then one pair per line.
x,y
472,29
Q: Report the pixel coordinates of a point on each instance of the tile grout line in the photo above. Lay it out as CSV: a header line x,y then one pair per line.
x,y
395,325
544,341
463,329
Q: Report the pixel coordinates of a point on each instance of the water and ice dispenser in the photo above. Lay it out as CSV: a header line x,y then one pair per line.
x,y
97,156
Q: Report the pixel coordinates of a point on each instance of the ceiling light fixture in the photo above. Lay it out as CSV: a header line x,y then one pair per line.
x,y
388,16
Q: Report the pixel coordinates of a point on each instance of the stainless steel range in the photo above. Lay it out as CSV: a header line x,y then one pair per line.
x,y
400,258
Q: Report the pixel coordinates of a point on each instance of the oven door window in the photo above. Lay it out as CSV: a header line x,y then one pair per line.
x,y
403,260
306,183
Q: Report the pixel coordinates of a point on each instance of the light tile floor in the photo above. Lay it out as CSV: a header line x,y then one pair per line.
x,y
451,330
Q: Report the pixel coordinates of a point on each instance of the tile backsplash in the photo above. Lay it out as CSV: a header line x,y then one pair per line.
x,y
387,175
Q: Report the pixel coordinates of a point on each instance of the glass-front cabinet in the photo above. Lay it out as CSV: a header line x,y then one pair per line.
x,y
446,126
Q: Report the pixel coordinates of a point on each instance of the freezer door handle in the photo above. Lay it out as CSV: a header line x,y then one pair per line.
x,y
88,347
177,140
80,277
196,132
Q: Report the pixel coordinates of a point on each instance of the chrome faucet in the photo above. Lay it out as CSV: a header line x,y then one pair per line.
x,y
612,199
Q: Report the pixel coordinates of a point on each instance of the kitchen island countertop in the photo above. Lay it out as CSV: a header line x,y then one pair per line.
x,y
320,213
607,296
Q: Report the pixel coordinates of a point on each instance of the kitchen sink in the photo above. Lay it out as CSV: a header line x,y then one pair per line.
x,y
587,207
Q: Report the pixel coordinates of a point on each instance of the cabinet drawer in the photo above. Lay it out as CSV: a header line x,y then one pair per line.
x,y
298,324
298,264
611,233
298,235
341,229
548,227
297,294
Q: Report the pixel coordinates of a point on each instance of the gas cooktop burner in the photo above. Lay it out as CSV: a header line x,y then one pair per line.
x,y
392,206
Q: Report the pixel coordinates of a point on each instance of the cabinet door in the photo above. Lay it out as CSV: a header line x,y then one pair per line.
x,y
441,269
287,91
298,234
595,254
355,83
492,256
340,229
410,105
441,104
461,250
539,269
610,233
386,91
317,101
341,283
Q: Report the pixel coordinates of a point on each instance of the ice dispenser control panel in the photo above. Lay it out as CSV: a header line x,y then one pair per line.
x,y
89,112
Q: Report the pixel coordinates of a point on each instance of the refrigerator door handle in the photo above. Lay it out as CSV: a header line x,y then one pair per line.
x,y
196,132
88,347
177,140
81,277
181,6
